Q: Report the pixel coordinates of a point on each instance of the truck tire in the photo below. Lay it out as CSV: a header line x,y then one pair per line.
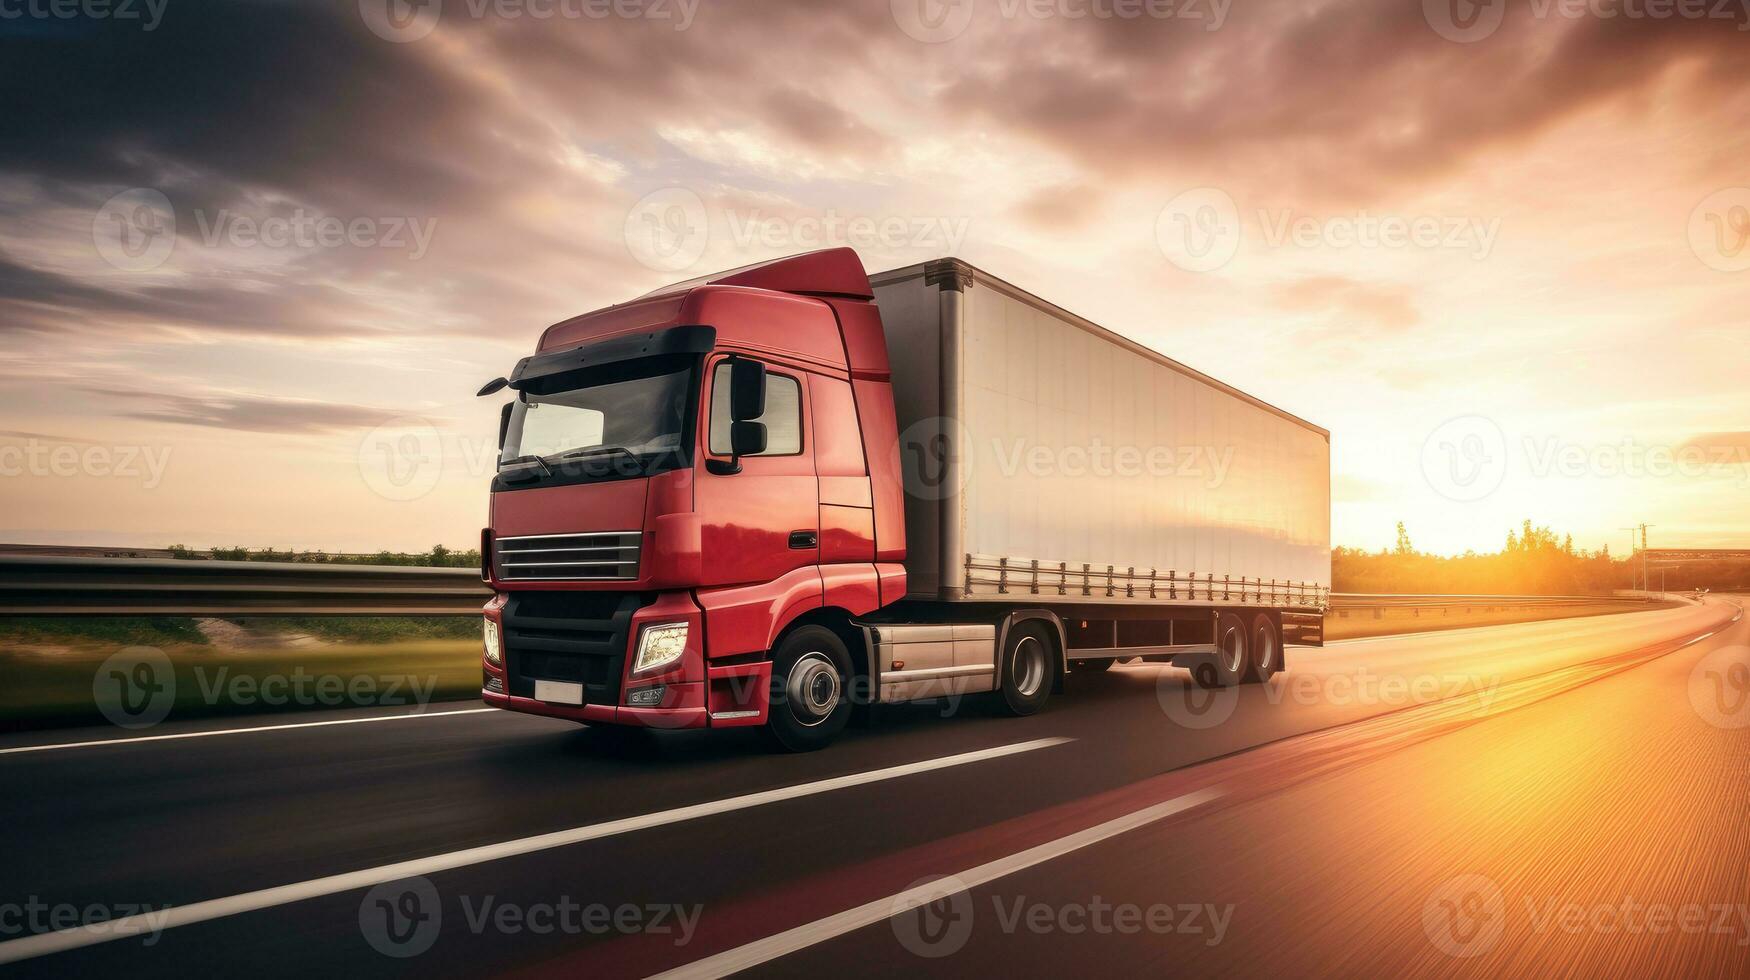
x,y
1024,671
810,695
1264,658
1232,654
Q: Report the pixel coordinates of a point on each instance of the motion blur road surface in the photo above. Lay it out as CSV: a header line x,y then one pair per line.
x,y
1566,797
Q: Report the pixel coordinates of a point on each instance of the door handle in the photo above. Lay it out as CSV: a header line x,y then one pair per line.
x,y
802,540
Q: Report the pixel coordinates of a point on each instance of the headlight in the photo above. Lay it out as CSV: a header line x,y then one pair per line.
x,y
660,646
494,653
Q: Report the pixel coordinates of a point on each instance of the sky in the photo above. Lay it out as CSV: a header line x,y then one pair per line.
x,y
256,257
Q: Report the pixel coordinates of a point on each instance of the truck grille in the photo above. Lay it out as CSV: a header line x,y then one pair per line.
x,y
568,636
610,556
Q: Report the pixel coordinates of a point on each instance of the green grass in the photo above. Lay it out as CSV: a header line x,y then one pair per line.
x,y
50,687
118,630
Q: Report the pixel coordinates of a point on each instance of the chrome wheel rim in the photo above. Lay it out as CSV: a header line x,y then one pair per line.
x,y
1233,650
1027,666
1266,647
813,689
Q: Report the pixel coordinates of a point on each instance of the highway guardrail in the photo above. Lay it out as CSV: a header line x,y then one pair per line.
x,y
61,586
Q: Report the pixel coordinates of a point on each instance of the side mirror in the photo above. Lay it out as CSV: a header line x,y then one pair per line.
x,y
747,438
747,391
496,384
504,423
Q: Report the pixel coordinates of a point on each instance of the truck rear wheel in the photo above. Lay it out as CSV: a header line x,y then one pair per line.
x,y
811,684
1024,672
1266,653
1232,654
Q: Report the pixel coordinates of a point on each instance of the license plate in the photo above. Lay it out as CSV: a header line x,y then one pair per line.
x,y
559,692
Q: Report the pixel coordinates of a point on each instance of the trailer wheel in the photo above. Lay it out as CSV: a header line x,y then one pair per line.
x,y
1092,666
1266,652
1024,673
1232,654
810,696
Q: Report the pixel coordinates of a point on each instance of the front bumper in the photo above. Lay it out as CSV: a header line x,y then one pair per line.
x,y
588,638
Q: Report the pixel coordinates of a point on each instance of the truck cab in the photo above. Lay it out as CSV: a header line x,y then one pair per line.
x,y
684,480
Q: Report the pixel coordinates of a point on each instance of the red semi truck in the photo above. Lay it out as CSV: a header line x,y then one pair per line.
x,y
766,496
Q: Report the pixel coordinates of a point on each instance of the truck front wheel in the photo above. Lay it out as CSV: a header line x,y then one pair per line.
x,y
1025,669
811,684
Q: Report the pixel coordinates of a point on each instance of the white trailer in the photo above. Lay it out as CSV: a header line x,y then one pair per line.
x,y
1059,472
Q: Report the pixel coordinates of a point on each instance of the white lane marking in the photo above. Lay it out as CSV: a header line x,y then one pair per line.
x,y
787,942
239,731
55,942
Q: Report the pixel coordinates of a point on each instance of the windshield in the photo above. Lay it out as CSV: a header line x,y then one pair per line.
x,y
637,409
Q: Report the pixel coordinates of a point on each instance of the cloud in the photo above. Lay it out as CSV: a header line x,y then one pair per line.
x,y
1332,101
247,413
1352,303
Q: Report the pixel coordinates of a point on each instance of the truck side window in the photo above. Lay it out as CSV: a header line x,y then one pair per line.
x,y
783,418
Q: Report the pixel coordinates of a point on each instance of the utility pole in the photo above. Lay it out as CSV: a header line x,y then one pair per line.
x,y
1646,575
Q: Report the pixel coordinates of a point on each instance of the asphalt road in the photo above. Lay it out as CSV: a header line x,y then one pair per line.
x,y
1564,797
